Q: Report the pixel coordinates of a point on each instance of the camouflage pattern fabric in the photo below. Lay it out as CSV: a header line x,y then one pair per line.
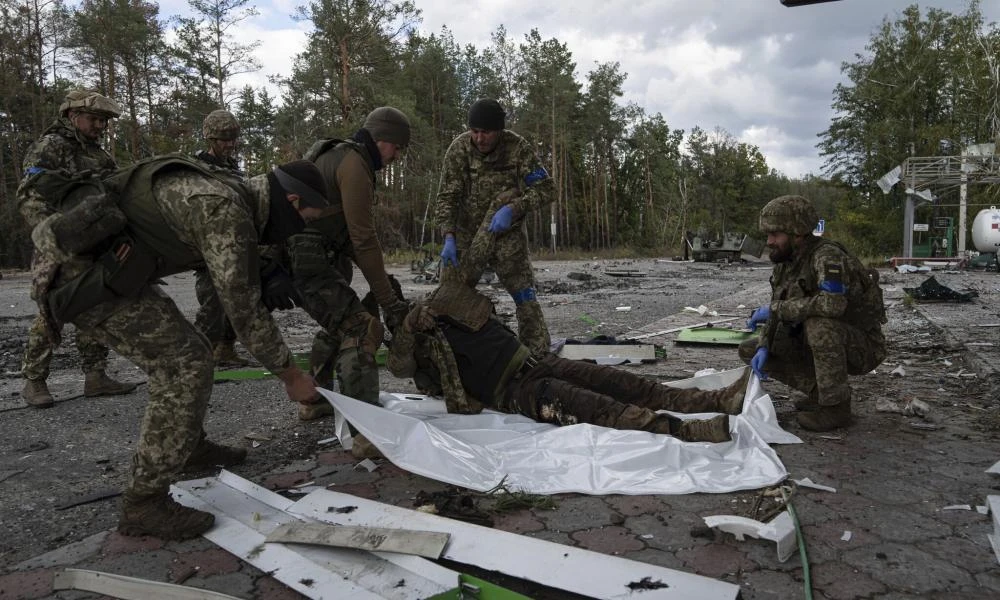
x,y
793,215
817,337
554,390
59,148
220,125
211,318
230,166
473,186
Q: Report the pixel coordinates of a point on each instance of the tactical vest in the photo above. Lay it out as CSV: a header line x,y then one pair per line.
x,y
146,250
865,306
482,356
333,225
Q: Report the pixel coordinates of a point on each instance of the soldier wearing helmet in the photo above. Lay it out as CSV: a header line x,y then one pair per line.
x,y
221,131
824,321
71,144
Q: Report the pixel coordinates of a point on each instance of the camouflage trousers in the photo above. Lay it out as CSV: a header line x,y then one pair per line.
x,y
151,331
816,357
507,255
349,336
39,349
211,318
565,392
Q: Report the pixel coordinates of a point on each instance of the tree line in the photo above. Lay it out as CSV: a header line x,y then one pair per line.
x,y
624,177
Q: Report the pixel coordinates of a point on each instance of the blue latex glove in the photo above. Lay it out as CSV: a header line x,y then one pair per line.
x,y
502,219
449,254
761,315
757,363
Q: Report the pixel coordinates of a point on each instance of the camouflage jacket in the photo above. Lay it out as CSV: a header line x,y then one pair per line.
x,y
231,167
472,183
59,148
824,280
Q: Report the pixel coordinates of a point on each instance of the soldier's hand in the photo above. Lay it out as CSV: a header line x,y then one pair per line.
x,y
395,313
761,315
449,254
299,386
502,219
420,318
757,363
277,290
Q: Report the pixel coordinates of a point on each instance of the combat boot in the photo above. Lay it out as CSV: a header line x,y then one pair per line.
x,y
36,393
97,383
225,355
715,429
162,517
731,401
809,402
825,418
363,448
208,454
311,412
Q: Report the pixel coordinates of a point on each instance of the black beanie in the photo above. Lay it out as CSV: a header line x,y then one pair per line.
x,y
301,177
486,114
388,124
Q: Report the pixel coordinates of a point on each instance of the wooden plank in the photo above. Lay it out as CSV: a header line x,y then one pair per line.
x,y
428,544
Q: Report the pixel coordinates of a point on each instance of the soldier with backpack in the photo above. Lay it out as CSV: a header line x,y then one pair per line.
x,y
824,321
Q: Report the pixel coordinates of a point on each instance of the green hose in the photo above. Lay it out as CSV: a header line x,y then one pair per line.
x,y
806,577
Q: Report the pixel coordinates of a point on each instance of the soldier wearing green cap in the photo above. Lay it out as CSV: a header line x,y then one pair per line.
x,y
824,321
71,144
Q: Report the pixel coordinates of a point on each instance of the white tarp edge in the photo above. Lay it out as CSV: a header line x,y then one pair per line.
x,y
477,451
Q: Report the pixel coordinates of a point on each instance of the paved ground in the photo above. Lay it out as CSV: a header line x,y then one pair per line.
x,y
884,534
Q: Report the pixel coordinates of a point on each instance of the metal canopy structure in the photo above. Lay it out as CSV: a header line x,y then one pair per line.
x,y
927,176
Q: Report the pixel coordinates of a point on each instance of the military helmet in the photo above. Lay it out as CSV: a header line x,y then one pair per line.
x,y
90,101
793,215
220,125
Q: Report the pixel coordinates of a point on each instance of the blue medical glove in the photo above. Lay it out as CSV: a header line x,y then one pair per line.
x,y
761,315
502,219
450,252
757,363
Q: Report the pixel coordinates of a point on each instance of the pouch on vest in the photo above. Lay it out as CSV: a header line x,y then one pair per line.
x,y
80,294
128,266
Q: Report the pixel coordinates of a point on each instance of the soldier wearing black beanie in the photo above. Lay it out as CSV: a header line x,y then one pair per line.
x,y
487,114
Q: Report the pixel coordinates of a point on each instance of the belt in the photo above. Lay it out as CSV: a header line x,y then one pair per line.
x,y
529,363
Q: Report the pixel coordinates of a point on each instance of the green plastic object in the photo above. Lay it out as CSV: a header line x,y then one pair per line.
x,y
302,360
712,335
470,588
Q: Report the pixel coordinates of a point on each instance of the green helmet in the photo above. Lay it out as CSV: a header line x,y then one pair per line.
x,y
90,101
788,214
220,125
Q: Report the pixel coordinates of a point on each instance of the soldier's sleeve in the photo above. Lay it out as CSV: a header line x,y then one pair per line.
x,y
456,398
401,361
831,281
50,153
451,188
228,243
357,193
538,188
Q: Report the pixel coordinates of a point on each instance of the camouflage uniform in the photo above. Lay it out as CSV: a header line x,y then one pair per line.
x,y
473,186
211,318
183,218
61,147
826,316
467,356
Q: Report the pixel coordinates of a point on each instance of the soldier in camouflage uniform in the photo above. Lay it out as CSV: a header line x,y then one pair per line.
x,y
72,144
316,257
221,131
824,321
451,344
491,178
176,215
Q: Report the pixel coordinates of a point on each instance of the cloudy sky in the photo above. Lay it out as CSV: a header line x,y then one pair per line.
x,y
760,71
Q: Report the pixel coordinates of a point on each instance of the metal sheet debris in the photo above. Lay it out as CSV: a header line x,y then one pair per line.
x,y
130,588
808,483
428,544
780,530
623,352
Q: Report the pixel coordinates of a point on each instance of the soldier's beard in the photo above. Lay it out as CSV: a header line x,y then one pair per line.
x,y
781,253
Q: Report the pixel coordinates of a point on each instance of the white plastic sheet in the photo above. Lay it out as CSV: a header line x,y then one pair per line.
x,y
477,451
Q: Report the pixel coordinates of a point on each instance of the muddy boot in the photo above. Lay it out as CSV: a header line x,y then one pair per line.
x,y
825,418
36,393
715,429
208,454
731,401
225,355
362,448
97,383
311,412
809,402
162,517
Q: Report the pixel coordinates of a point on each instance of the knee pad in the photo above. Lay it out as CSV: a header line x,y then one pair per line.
x,y
363,331
525,295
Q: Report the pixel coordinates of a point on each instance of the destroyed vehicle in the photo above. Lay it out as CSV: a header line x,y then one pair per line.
x,y
706,248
